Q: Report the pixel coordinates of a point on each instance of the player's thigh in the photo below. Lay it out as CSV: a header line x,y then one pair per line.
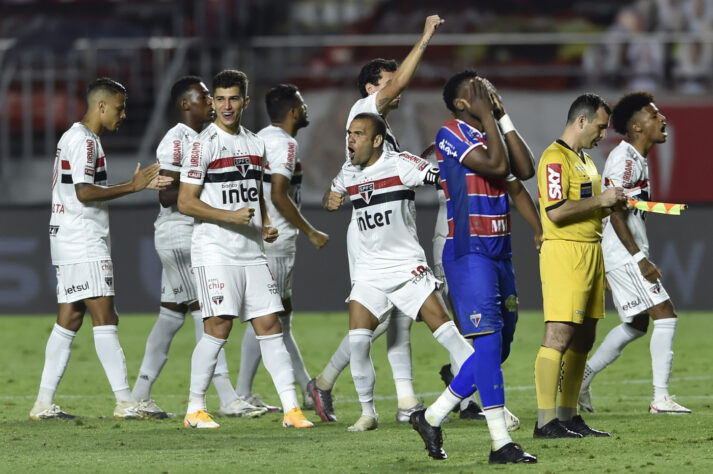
x,y
178,284
633,294
360,317
71,315
567,271
371,298
412,292
476,293
262,295
80,281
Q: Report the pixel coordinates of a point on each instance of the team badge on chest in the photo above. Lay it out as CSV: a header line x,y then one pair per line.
x,y
242,163
365,191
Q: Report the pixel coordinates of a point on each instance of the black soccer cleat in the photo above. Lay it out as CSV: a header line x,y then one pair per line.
x,y
578,425
322,402
554,429
431,435
511,453
472,412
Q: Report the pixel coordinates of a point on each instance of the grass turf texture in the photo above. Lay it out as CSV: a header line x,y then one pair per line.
x,y
95,442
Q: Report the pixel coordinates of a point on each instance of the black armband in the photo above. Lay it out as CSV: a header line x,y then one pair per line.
x,y
432,176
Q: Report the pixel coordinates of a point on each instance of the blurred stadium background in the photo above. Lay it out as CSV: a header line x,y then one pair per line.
x,y
540,54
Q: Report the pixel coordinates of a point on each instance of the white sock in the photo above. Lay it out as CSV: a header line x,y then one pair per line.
x,y
198,324
436,413
609,350
111,356
448,336
398,350
298,365
497,427
278,364
466,401
203,361
363,369
250,355
57,352
661,348
156,353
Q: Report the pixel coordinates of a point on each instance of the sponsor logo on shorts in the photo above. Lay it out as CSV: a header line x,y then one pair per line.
x,y
177,290
215,284
631,304
656,289
106,265
475,318
273,289
53,230
76,288
217,299
554,182
365,191
195,174
447,148
419,273
109,281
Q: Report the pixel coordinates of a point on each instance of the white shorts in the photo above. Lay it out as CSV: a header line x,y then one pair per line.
x,y
244,292
79,281
632,293
440,274
282,268
178,285
401,289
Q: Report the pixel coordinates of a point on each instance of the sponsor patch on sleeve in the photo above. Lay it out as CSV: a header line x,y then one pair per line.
x,y
585,190
194,174
554,182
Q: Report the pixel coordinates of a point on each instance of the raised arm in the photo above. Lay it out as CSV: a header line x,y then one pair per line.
x,y
406,70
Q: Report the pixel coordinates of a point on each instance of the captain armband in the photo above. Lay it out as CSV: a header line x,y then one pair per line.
x,y
432,176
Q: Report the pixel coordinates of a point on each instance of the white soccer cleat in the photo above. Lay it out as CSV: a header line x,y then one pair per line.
x,y
130,410
511,421
255,400
668,406
365,423
200,419
585,399
48,411
241,408
153,411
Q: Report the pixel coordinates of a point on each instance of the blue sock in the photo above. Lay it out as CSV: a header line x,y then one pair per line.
x,y
482,370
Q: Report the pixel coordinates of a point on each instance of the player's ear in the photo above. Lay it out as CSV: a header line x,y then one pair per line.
x,y
378,141
370,88
582,121
460,104
246,102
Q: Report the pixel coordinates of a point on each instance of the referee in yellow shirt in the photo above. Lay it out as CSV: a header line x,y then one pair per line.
x,y
571,265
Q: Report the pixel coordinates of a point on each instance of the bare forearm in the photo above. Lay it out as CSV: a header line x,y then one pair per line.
x,y
524,203
496,147
618,221
91,192
522,162
289,211
200,210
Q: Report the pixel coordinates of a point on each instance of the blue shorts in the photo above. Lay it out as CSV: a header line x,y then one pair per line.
x,y
484,295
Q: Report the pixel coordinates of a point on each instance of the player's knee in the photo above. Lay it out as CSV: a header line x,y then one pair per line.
x,y
640,322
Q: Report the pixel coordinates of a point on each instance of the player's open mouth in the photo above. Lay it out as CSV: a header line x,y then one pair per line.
x,y
351,153
663,130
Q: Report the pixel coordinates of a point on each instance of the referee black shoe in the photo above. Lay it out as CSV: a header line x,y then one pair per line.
x,y
511,453
554,429
578,425
431,435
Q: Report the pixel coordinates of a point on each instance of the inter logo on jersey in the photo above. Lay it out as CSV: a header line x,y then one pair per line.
x,y
242,163
554,182
365,191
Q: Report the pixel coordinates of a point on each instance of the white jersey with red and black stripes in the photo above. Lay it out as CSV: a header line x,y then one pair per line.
x,y
627,168
79,232
229,168
383,198
173,230
281,150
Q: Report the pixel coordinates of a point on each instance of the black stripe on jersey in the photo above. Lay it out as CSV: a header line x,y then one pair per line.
x,y
231,176
404,194
67,179
556,205
100,176
295,179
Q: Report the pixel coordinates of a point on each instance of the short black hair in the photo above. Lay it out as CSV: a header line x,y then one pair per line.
x,y
377,122
279,100
371,72
627,107
105,84
231,78
181,86
586,104
450,90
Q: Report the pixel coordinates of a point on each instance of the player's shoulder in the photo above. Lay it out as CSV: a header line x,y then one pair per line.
x,y
78,132
556,152
622,152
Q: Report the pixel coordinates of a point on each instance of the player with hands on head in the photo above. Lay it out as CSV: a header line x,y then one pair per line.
x,y
221,187
80,249
629,272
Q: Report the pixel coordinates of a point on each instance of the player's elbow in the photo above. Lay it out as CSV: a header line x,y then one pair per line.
x,y
555,216
183,203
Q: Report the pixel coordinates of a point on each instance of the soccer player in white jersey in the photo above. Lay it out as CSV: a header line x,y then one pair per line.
x,y
390,269
221,187
79,245
635,281
381,83
172,237
282,182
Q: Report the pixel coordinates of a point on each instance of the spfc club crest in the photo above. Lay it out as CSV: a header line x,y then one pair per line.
x,y
242,164
109,280
217,299
365,191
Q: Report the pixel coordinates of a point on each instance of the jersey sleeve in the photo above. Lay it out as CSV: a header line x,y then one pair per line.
x,y
282,157
414,171
619,170
552,180
84,160
338,183
169,153
195,167
452,146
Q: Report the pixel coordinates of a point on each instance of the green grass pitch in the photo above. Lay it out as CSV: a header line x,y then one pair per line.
x,y
95,442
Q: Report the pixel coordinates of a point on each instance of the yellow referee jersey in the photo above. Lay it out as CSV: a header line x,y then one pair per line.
x,y
564,175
